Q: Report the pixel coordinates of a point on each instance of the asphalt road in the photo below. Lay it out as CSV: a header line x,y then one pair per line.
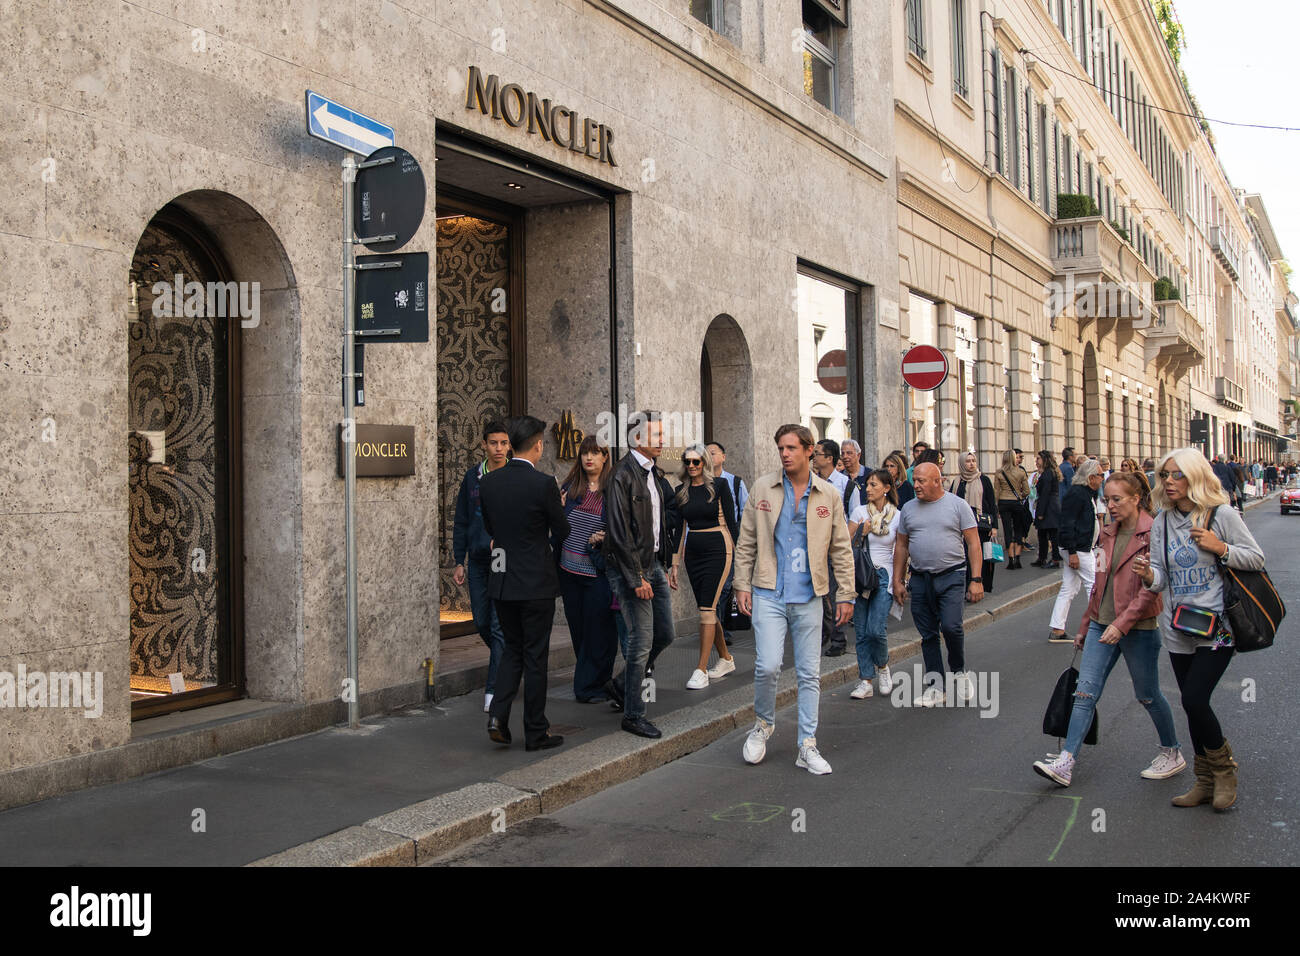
x,y
951,787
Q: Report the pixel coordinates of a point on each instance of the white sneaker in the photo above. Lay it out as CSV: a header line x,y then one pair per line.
x,y
810,759
886,680
862,691
487,703
965,685
722,668
699,680
931,697
1167,763
756,743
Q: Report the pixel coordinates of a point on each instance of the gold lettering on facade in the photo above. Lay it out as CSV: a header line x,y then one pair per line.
x,y
567,437
517,107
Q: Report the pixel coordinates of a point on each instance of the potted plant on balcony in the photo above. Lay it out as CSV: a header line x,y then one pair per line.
x,y
1165,289
1123,233
1075,206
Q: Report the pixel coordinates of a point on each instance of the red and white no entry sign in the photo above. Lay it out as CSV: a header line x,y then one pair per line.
x,y
924,367
833,371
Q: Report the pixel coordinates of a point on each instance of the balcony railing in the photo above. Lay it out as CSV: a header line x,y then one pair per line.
x,y
1100,273
1229,393
1225,250
1175,342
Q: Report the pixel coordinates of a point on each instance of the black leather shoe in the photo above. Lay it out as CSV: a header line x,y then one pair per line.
x,y
641,727
498,731
836,650
546,743
615,695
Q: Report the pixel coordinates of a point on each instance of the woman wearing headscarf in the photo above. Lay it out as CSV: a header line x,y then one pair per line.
x,y
977,490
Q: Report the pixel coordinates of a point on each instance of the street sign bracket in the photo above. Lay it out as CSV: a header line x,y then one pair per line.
x,y
392,264
381,161
366,240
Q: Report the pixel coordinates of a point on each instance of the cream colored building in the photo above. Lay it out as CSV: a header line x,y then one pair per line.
x,y
1053,325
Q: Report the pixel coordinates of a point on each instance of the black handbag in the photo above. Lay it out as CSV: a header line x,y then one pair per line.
x,y
865,580
1056,721
732,617
1251,604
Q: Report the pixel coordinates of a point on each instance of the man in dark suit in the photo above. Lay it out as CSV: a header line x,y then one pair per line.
x,y
521,511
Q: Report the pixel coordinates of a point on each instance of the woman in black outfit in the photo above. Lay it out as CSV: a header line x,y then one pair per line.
x,y
977,491
707,537
1047,512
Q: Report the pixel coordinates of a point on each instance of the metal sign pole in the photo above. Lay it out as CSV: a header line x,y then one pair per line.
x,y
349,436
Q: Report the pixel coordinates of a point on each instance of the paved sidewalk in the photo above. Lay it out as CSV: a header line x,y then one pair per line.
x,y
426,775
416,783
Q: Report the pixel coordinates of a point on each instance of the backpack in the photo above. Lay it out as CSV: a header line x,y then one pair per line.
x,y
1251,604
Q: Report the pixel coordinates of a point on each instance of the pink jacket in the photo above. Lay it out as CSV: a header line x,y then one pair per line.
x,y
1133,602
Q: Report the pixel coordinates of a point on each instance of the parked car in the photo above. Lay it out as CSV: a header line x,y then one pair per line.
x,y
1291,496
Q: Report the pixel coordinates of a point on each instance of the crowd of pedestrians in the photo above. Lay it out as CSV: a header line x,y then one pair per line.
x,y
827,542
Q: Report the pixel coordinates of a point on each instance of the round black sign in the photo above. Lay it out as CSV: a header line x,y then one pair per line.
x,y
388,198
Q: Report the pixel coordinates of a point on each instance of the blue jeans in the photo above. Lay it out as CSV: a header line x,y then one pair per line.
x,y
938,602
649,631
1141,650
771,620
485,616
870,617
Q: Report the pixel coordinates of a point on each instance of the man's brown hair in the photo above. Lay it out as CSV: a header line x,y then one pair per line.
x,y
801,432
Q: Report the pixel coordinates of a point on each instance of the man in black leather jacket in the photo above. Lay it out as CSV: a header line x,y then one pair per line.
x,y
640,516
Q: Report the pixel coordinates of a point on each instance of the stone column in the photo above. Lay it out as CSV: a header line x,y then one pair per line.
x,y
948,405
1021,381
990,428
1051,407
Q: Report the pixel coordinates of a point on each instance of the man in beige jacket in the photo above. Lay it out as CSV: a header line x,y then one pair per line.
x,y
793,527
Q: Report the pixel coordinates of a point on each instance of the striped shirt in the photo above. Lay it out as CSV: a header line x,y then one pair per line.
x,y
584,521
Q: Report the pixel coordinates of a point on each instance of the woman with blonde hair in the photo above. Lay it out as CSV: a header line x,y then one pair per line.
x,y
708,535
1192,539
1011,488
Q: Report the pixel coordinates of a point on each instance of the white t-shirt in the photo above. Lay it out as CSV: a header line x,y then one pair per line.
x,y
881,546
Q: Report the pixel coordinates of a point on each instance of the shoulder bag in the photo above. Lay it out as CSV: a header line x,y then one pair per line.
x,y
865,580
1251,604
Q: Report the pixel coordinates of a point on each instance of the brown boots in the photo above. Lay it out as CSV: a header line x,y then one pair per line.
x,y
1225,776
1216,780
1203,789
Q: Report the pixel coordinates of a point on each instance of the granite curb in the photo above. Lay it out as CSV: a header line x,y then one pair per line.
x,y
414,835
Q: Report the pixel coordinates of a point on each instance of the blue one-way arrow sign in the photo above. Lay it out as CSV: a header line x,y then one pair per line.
x,y
341,126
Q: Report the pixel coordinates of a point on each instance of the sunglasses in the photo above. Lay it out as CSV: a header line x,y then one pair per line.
x,y
1175,475
692,462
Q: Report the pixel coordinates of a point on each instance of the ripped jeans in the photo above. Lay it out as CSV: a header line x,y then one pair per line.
x,y
1141,650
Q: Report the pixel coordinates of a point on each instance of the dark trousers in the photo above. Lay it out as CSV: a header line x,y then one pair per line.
x,y
833,635
1198,674
591,626
1010,511
527,629
938,602
1046,538
987,567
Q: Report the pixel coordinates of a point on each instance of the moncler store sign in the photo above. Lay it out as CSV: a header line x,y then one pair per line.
x,y
517,107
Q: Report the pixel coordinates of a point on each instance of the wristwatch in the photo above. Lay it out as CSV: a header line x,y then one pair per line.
x,y
1223,558
979,580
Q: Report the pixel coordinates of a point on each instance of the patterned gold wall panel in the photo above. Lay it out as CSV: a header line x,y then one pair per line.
x,y
473,366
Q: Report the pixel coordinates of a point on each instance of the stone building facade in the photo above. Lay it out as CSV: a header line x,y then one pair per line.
x,y
1101,323
621,200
